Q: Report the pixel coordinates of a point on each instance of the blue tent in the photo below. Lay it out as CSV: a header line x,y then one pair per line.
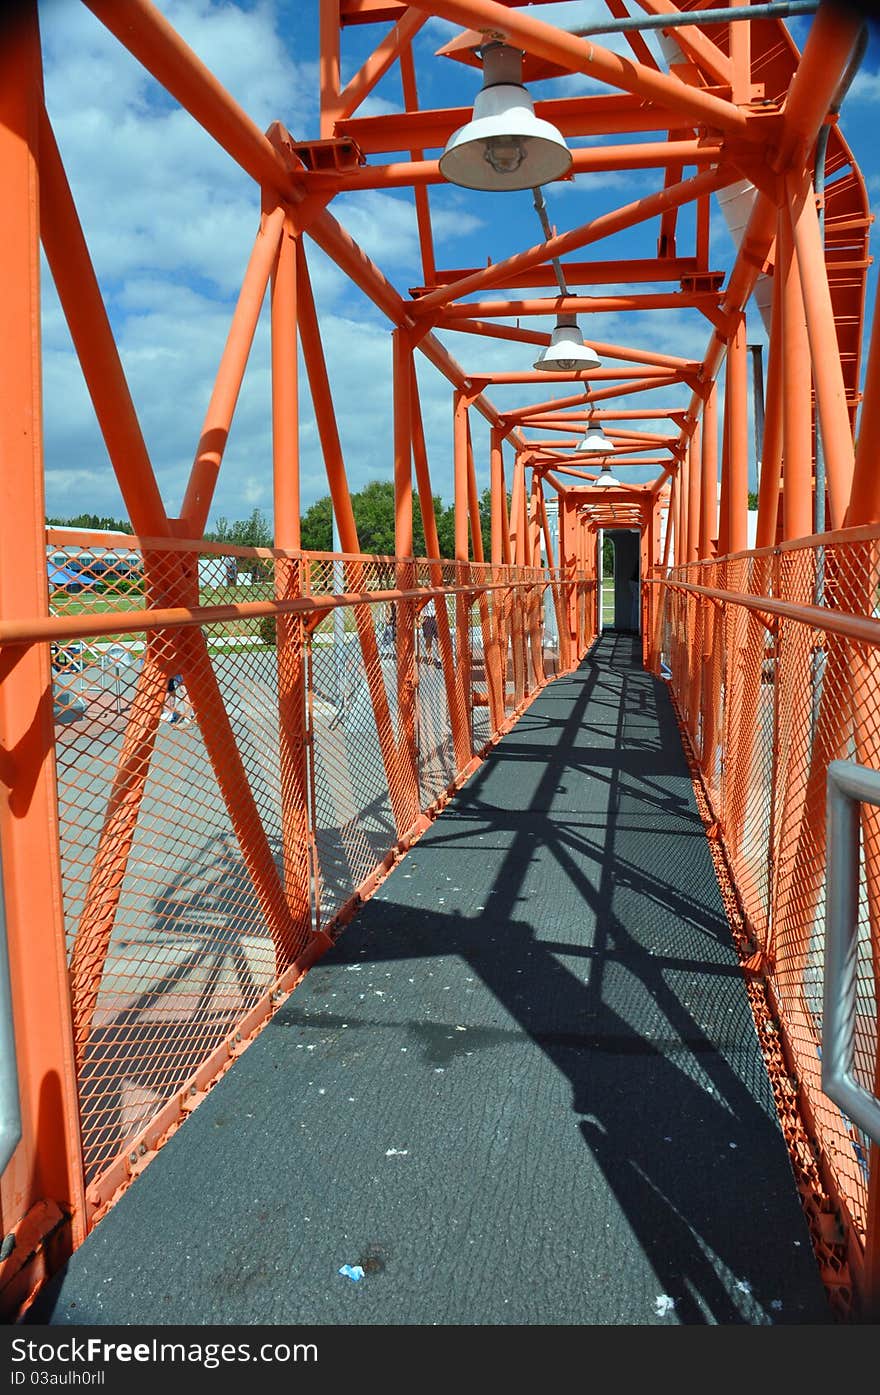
x,y
63,579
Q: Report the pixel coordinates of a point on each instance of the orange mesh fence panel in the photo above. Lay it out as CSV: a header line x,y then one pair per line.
x,y
226,787
354,821
785,696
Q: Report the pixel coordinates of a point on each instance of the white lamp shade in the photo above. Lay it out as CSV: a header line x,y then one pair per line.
x,y
605,478
595,442
505,145
567,352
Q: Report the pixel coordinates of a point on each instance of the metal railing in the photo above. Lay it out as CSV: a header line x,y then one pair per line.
x,y
216,833
774,691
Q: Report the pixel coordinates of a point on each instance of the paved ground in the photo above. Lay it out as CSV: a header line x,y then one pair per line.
x,y
524,1087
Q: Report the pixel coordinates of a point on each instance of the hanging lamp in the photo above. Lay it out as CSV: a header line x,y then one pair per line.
x,y
605,479
595,442
567,352
504,145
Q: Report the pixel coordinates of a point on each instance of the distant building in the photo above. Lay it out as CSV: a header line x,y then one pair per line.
x,y
92,560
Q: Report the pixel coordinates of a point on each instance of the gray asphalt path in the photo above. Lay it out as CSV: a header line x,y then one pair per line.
x,y
523,1088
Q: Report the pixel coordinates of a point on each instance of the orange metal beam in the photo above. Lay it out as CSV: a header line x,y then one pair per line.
x,y
290,641
630,215
576,305
329,64
771,453
584,56
602,115
694,456
696,45
147,34
647,375
377,65
404,799
834,419
737,426
626,271
797,439
47,1163
417,173
227,385
709,474
403,373
423,208
80,297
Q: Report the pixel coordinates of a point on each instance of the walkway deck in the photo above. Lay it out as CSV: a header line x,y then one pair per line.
x,y
523,1088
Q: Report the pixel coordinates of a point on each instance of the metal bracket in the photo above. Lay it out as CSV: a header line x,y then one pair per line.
x,y
848,786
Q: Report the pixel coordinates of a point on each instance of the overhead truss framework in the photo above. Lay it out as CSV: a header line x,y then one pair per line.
x,y
734,115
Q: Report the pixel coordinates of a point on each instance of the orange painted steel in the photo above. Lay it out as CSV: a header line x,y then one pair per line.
x,y
601,115
417,174
46,1165
770,810
215,430
326,719
797,421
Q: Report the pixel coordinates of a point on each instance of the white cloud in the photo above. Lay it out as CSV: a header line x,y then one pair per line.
x,y
865,88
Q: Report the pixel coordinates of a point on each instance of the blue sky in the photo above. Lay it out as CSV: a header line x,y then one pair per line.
x,y
170,222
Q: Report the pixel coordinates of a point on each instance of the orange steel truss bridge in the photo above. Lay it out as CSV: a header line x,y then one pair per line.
x,y
166,887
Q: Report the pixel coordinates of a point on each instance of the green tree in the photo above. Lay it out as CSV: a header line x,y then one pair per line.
x,y
373,508
253,531
316,529
93,521
445,528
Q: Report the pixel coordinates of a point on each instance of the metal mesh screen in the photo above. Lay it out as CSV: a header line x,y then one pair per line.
x,y
785,696
229,784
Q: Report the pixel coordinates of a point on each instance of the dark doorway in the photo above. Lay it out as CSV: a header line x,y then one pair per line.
x,y
627,560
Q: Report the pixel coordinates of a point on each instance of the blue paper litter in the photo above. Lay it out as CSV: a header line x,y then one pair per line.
x,y
352,1271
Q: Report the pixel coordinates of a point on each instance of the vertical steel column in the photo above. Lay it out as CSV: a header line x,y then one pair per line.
x,y
455,699
230,374
684,471
709,473
724,487
403,794
834,420
462,556
290,635
517,633
738,464
694,493
568,564
407,680
496,480
491,659
47,1164
329,64
771,451
797,412
536,595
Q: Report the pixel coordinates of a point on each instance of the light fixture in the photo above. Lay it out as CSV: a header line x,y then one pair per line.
x,y
605,478
567,352
505,145
595,442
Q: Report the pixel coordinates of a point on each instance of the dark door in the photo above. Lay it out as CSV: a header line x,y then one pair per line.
x,y
627,559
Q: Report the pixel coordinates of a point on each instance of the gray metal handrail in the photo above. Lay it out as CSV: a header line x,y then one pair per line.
x,y
848,786
10,1103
